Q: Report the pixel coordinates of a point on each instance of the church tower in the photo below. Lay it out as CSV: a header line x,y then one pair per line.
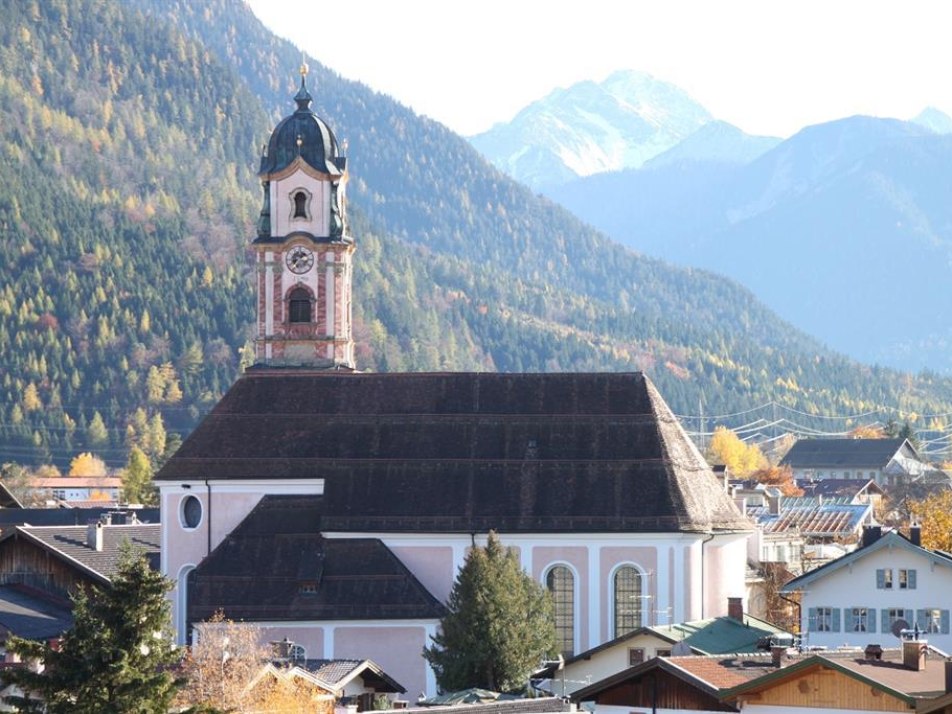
x,y
303,250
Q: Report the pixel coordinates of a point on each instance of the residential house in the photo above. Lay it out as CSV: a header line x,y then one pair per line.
x,y
84,491
863,597
885,461
41,566
914,677
852,490
911,678
717,635
358,683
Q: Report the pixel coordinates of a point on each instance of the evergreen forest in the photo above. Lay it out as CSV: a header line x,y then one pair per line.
x,y
130,132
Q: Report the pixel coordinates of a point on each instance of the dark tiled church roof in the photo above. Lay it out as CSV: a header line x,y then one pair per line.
x,y
276,566
464,452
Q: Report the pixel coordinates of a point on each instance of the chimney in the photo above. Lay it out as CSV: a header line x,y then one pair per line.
x,y
281,649
914,655
948,676
735,608
871,534
94,534
915,534
776,655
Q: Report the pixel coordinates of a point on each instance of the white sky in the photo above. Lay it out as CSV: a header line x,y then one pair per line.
x,y
767,66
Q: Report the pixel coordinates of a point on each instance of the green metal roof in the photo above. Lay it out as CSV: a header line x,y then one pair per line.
x,y
719,635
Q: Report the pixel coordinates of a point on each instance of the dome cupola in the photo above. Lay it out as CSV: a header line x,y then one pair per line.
x,y
302,134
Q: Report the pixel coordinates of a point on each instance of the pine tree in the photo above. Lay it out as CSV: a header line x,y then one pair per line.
x,y
499,626
116,656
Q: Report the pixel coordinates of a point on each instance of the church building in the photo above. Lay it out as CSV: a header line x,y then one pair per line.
x,y
334,507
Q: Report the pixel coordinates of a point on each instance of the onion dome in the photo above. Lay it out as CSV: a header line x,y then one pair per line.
x,y
302,134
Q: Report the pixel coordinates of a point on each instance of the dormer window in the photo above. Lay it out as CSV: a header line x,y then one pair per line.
x,y
300,205
299,306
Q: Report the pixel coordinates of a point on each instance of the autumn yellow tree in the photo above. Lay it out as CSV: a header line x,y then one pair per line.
x,y
87,465
741,458
780,477
934,514
867,431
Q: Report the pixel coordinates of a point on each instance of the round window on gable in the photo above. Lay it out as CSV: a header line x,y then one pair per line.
x,y
191,513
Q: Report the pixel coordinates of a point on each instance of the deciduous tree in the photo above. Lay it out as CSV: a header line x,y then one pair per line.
x,y
137,478
935,516
740,457
86,465
224,670
499,625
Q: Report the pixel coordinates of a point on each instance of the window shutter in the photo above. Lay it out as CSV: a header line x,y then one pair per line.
x,y
884,625
836,619
880,578
909,618
811,620
871,620
921,620
945,622
911,579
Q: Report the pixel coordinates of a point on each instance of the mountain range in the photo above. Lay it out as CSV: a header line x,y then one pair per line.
x,y
128,143
591,128
843,228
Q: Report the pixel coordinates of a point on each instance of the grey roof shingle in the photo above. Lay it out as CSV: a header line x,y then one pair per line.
x,y
842,453
276,565
464,452
29,615
70,543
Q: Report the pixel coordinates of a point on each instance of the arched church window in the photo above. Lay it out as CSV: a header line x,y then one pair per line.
x,y
627,592
561,584
299,305
300,205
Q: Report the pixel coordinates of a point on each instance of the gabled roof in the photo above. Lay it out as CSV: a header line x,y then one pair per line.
x,y
720,635
465,452
839,488
886,675
65,516
335,674
843,453
707,674
893,539
276,565
713,635
29,614
69,544
814,519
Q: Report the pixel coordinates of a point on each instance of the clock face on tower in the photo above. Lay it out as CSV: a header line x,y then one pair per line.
x,y
299,260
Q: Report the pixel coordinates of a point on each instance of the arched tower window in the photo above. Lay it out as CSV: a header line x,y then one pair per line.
x,y
627,593
299,305
300,205
561,583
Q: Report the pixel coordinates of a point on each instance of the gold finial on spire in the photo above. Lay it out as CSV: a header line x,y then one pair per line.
x,y
303,66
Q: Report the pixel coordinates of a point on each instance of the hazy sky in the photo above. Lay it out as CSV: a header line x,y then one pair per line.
x,y
770,67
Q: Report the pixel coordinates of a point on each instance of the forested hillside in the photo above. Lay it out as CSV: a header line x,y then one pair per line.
x,y
127,199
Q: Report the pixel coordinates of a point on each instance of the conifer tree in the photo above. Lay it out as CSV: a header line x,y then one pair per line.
x,y
116,656
499,626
